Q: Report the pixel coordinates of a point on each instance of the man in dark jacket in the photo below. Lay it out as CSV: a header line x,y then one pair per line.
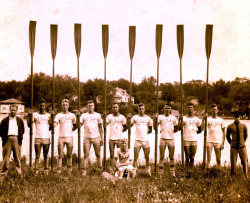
x,y
11,132
237,136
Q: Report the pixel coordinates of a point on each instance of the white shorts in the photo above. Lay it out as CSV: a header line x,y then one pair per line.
x,y
143,144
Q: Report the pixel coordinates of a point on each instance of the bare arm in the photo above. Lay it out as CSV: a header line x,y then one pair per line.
x,y
223,138
228,135
101,132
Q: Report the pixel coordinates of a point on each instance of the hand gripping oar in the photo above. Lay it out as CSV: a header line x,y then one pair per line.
x,y
32,36
180,46
105,43
77,31
158,43
53,42
132,37
208,45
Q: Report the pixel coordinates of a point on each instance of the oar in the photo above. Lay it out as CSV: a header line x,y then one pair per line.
x,y
158,43
132,37
78,51
180,46
208,45
105,43
32,36
53,42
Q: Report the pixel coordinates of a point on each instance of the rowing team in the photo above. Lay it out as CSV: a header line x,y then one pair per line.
x,y
12,130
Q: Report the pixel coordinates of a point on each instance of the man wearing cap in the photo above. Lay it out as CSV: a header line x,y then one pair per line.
x,y
117,126
93,134
67,124
11,132
42,122
237,136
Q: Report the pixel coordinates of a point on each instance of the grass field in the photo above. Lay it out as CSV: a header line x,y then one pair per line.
x,y
203,186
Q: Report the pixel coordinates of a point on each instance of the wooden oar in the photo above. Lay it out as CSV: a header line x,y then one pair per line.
x,y
132,37
208,45
78,51
105,43
158,44
32,36
53,42
180,46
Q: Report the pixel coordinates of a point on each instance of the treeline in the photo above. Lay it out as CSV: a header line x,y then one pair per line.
x,y
227,95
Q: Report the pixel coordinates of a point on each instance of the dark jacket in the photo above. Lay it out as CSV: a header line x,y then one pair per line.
x,y
4,127
232,135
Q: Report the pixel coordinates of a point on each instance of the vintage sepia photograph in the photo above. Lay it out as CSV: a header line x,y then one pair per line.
x,y
124,101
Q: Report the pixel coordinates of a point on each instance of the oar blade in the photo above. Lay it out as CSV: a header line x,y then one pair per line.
x,y
132,37
53,40
180,40
32,36
105,39
208,40
77,34
158,39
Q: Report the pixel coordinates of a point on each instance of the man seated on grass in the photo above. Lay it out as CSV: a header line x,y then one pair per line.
x,y
169,126
216,136
236,137
123,159
42,121
117,126
67,124
143,124
192,126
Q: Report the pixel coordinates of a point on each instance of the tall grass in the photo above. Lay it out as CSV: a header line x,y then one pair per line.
x,y
203,186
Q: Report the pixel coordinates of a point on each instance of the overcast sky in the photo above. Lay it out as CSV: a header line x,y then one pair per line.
x,y
230,49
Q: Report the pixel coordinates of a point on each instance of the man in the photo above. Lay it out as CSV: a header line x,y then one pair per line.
x,y
237,136
11,132
143,125
192,126
168,125
123,159
93,134
42,122
216,136
67,124
117,126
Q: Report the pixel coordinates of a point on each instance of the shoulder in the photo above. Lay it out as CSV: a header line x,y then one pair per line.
x,y
97,114
5,119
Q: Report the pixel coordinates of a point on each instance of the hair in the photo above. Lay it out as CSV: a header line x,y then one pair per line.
x,y
42,100
237,114
141,104
90,102
190,104
13,105
213,105
115,103
65,101
168,104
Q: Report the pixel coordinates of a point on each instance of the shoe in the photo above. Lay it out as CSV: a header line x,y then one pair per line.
x,y
84,173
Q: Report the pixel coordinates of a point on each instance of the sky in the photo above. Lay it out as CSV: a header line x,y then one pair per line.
x,y
230,46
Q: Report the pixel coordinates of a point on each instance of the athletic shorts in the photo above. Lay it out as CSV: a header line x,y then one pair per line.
x,y
40,141
117,142
212,144
144,144
168,142
65,140
88,141
190,143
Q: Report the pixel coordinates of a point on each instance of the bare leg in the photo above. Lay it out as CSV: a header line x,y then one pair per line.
x,y
86,149
218,157
162,148
111,150
209,155
187,155
45,155
136,155
193,150
38,152
97,148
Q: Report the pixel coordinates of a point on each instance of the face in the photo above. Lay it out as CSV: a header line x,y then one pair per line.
x,y
13,111
190,108
167,109
141,109
236,118
65,106
42,106
124,144
91,107
115,108
214,110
